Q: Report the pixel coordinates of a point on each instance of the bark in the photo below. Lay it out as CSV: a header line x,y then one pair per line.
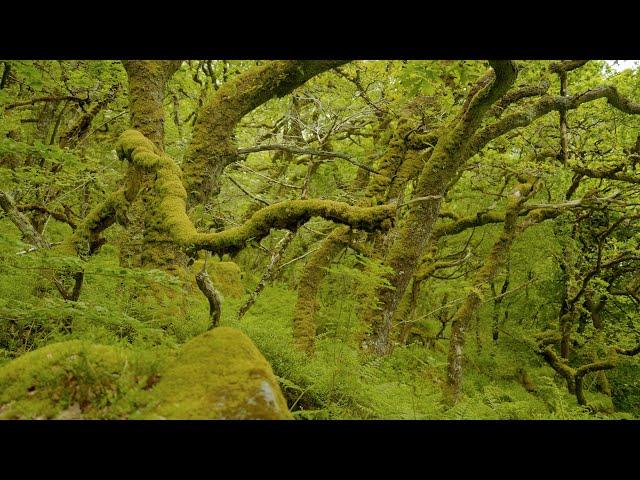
x,y
564,143
213,297
5,75
497,300
407,314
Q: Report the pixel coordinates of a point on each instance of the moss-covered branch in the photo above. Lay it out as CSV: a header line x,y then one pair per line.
x,y
575,376
212,147
514,96
288,215
171,217
61,216
566,65
546,105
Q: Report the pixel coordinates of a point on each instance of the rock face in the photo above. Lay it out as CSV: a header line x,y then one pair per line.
x,y
220,375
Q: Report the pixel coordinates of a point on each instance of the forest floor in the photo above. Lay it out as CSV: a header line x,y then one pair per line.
x,y
339,382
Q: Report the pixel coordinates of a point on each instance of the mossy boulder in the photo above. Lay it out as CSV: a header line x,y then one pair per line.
x,y
226,277
219,375
75,379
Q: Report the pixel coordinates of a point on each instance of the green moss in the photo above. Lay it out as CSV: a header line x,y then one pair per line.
x,y
288,215
75,378
219,375
147,79
226,277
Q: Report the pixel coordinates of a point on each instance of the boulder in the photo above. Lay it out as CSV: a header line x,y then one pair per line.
x,y
73,379
219,375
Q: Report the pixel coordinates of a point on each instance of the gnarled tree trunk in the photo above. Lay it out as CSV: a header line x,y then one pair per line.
x,y
440,171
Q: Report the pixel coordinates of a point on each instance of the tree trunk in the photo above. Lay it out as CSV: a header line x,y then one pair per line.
x,y
304,325
483,277
438,175
145,244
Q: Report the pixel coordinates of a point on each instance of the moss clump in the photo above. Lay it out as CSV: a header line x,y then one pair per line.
x,y
226,277
219,375
75,379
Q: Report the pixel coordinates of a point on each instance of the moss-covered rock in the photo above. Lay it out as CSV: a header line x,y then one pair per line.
x,y
219,375
75,379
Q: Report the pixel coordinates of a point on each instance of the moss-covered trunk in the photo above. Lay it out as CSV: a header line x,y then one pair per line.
x,y
438,175
145,244
304,322
487,274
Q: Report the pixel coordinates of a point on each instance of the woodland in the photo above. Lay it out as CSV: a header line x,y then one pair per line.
x,y
319,239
